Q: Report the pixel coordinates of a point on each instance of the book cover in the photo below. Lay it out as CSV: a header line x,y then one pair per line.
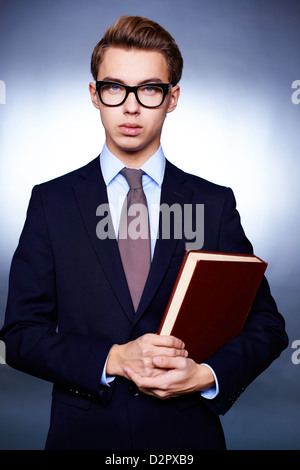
x,y
211,299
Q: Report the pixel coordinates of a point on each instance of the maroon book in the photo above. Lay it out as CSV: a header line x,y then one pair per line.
x,y
211,299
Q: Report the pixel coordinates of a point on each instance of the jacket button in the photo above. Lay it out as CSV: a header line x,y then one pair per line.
x,y
133,390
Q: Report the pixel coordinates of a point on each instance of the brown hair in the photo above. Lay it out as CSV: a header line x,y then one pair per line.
x,y
140,33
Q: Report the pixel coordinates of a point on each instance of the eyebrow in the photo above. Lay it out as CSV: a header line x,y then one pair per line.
x,y
147,80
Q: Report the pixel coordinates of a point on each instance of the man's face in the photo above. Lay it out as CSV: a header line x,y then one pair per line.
x,y
133,131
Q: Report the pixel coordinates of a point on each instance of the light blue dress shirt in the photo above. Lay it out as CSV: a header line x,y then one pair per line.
x,y
117,188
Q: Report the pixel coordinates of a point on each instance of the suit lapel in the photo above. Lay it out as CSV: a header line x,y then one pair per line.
x,y
173,192
90,193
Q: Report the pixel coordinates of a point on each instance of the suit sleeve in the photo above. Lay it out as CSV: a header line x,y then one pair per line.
x,y
32,338
263,338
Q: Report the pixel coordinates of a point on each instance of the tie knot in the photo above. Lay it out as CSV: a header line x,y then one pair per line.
x,y
133,177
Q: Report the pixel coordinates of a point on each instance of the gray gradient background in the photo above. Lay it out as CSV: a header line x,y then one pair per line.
x,y
235,125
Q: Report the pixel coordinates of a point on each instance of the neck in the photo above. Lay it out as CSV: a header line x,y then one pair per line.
x,y
133,158
133,161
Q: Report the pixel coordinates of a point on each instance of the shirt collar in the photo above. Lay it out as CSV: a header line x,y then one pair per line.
x,y
154,167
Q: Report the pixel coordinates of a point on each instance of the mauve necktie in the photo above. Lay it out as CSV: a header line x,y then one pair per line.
x,y
134,239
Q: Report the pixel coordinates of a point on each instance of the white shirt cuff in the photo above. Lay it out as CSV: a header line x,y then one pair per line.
x,y
212,392
105,380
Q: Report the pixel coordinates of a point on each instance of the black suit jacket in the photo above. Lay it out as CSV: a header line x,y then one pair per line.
x,y
69,303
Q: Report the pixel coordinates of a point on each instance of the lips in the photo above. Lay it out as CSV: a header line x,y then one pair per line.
x,y
129,128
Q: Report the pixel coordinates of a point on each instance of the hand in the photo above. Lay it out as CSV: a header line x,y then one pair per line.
x,y
138,355
180,375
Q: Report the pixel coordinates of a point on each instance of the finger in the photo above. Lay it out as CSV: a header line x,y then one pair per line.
x,y
135,377
152,386
168,341
169,362
163,351
129,373
143,382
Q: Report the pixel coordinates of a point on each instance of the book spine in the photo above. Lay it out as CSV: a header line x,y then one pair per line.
x,y
172,293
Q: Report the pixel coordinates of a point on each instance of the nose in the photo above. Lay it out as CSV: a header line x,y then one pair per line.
x,y
131,104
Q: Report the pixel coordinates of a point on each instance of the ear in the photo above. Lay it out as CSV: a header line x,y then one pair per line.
x,y
94,95
175,92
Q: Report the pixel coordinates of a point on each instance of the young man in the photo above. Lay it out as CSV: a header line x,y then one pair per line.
x,y
78,318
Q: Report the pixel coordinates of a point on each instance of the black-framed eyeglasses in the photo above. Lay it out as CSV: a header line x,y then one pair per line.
x,y
150,95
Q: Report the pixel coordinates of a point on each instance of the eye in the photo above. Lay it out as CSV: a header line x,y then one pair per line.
x,y
150,89
114,88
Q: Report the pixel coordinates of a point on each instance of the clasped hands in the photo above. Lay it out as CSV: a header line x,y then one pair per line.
x,y
159,366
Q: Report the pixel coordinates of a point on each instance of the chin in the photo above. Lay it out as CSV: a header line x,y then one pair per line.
x,y
131,147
